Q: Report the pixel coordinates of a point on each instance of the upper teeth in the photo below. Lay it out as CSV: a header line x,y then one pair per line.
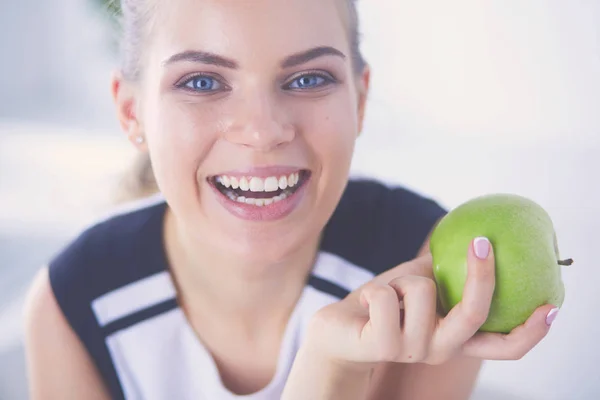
x,y
256,184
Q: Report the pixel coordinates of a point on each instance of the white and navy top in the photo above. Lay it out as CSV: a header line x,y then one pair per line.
x,y
113,285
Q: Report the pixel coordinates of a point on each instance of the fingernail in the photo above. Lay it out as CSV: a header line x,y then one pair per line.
x,y
481,245
551,316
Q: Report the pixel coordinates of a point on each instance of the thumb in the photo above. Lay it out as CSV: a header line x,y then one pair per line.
x,y
481,249
465,319
481,277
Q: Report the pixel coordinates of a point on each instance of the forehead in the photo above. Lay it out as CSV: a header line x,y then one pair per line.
x,y
248,30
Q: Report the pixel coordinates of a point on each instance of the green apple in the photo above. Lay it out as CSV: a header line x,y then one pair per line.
x,y
527,262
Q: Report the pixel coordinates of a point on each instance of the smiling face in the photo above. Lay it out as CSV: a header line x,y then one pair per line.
x,y
250,112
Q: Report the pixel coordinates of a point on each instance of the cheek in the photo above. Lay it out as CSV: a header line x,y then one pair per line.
x,y
180,136
331,133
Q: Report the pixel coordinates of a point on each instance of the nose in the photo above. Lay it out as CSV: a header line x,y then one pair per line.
x,y
260,124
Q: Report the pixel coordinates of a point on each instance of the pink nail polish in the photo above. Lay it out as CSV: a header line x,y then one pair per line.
x,y
481,245
551,316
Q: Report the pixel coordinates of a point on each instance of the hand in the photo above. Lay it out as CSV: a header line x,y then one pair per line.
x,y
398,321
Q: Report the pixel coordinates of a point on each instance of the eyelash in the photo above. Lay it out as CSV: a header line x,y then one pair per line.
x,y
327,78
183,83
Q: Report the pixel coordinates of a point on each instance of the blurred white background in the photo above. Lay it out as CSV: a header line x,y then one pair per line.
x,y
468,98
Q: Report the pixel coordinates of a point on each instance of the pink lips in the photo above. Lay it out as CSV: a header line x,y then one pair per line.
x,y
271,212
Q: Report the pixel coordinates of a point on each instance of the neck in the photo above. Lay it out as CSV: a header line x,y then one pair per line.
x,y
249,296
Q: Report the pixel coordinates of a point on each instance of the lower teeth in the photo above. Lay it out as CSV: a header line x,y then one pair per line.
x,y
257,202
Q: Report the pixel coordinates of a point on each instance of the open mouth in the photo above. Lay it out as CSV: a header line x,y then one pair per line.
x,y
259,191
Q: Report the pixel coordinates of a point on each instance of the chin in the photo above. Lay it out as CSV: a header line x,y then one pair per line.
x,y
267,245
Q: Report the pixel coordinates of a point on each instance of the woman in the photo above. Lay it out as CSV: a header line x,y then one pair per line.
x,y
259,271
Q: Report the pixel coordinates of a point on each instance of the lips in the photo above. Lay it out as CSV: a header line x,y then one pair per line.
x,y
258,190
260,194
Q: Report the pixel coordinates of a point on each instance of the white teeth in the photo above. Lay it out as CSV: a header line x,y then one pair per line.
x,y
257,185
280,197
283,183
271,184
225,181
244,185
258,202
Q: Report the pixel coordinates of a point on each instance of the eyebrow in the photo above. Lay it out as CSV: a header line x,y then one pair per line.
x,y
202,57
290,61
308,55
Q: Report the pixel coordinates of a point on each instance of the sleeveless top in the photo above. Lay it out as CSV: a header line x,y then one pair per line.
x,y
113,286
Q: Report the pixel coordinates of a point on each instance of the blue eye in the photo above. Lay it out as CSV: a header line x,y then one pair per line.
x,y
309,81
202,84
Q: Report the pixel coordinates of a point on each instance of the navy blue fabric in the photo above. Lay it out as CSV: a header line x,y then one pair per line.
x,y
326,286
374,226
378,227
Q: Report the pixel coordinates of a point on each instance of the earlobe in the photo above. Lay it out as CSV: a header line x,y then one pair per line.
x,y
136,137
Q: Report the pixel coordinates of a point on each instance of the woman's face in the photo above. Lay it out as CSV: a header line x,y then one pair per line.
x,y
251,110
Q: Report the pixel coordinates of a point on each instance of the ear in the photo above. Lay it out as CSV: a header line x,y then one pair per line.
x,y
124,95
363,91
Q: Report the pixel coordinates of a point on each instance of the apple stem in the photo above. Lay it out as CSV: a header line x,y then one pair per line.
x,y
568,261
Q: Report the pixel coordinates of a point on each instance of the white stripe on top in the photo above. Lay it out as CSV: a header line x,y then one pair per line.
x,y
133,297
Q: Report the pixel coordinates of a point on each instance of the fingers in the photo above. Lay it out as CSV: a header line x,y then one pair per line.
x,y
421,266
465,319
397,338
383,328
496,346
420,306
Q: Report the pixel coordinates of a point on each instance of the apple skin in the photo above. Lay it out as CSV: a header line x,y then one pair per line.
x,y
526,254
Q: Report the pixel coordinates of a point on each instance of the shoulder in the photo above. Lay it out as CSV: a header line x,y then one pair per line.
x,y
367,191
378,226
121,248
40,307
53,351
117,250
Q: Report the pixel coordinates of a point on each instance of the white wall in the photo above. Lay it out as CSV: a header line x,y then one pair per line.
x,y
54,64
511,70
